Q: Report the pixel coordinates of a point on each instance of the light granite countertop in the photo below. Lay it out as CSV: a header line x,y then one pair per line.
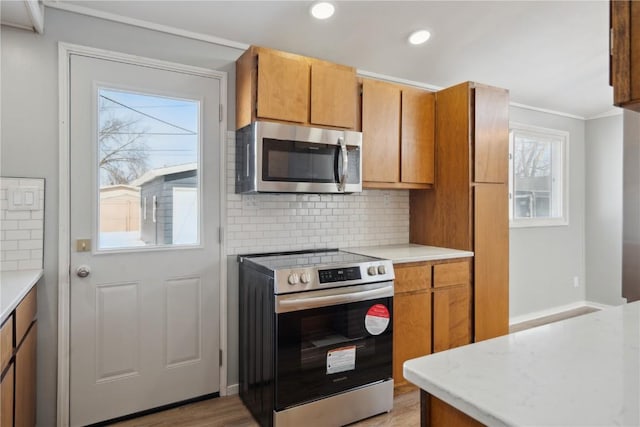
x,y
14,286
577,372
410,253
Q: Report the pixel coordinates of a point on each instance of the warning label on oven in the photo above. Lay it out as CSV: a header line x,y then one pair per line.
x,y
341,359
377,319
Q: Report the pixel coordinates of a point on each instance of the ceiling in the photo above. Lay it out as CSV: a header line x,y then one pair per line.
x,y
550,54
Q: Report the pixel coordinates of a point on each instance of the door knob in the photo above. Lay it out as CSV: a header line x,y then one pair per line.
x,y
83,271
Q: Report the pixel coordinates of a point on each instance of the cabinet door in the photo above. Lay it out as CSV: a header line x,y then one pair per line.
x,y
417,136
625,53
491,135
411,329
380,132
25,395
25,313
491,261
333,95
6,399
6,343
283,87
451,317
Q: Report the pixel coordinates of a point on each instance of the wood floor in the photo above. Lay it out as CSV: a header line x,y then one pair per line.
x,y
230,412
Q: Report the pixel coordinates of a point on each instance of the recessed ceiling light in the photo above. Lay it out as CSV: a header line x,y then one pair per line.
x,y
322,10
419,37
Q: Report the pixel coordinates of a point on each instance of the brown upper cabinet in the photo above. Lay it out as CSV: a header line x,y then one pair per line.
x,y
284,87
468,207
625,53
491,133
397,136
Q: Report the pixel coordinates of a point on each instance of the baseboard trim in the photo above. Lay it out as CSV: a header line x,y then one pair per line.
x,y
233,389
555,310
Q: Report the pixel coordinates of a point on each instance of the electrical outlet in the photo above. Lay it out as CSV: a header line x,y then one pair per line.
x,y
576,282
386,199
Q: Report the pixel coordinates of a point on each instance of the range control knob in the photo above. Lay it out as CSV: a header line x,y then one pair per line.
x,y
372,271
305,277
293,279
381,269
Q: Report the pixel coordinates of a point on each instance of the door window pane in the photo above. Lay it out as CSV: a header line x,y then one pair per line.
x,y
148,157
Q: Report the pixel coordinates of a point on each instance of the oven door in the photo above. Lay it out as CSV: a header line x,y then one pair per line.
x,y
330,341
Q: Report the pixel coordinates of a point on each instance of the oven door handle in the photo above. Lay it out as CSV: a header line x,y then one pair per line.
x,y
295,304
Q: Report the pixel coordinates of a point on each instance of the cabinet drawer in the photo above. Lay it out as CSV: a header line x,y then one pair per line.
x,y
455,273
25,313
6,343
412,277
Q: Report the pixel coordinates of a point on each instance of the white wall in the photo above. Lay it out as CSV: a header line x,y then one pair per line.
x,y
603,207
30,134
544,260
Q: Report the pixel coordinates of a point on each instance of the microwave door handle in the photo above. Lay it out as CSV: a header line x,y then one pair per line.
x,y
345,164
248,156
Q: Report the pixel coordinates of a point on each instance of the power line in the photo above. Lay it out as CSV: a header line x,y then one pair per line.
x,y
190,132
147,133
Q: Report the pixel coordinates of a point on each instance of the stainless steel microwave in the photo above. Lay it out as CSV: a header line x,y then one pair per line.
x,y
283,158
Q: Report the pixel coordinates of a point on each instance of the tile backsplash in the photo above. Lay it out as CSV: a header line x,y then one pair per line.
x,y
21,223
280,222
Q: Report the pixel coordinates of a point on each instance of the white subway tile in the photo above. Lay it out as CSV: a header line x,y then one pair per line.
x,y
30,244
18,235
15,255
30,224
17,215
8,265
9,225
29,264
9,245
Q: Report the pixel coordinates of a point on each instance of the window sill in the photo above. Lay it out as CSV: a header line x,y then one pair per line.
x,y
532,223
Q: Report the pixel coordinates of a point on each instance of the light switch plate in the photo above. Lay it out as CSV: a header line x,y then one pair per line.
x,y
24,199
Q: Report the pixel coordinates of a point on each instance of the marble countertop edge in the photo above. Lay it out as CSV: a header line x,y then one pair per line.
x,y
410,252
455,401
14,286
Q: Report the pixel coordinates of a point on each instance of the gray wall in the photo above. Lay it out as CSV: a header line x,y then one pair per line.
x,y
30,133
631,207
544,260
603,210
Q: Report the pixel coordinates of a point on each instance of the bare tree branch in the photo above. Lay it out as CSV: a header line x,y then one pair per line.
x,y
123,149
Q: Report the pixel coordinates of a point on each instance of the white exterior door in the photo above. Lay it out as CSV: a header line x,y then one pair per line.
x,y
144,192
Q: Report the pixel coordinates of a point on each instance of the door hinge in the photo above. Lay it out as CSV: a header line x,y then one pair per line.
x,y
220,234
220,113
220,353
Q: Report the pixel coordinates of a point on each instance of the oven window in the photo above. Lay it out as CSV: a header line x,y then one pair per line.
x,y
328,350
298,161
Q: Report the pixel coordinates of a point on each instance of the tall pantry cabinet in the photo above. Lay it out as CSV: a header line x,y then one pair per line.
x,y
468,207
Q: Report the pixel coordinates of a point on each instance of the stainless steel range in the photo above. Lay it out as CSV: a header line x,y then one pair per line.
x,y
315,337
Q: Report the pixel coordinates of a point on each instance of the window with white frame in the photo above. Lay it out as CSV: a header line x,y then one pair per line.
x,y
538,166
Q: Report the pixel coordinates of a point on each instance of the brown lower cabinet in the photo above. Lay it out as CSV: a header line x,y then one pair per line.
x,y
6,398
18,386
441,414
431,310
25,389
